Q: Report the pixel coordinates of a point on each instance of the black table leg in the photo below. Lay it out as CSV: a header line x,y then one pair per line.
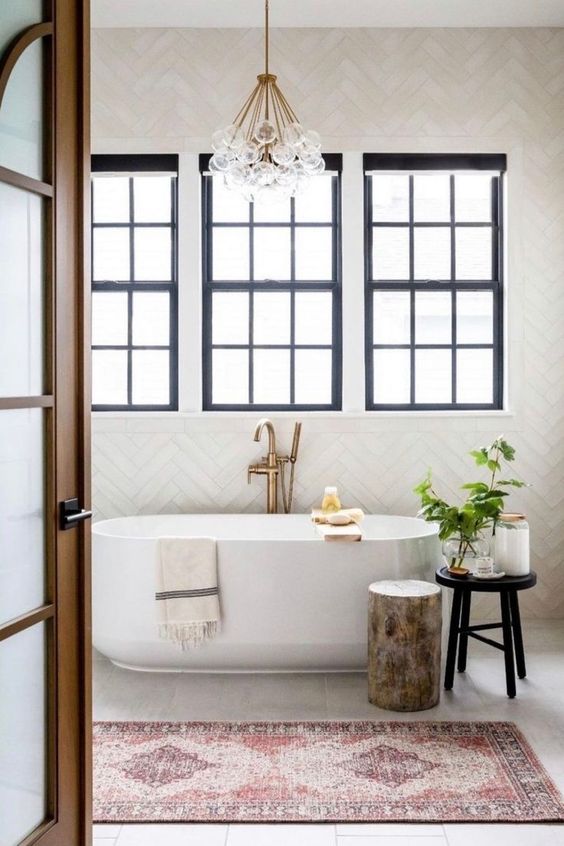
x,y
464,623
453,638
507,643
517,634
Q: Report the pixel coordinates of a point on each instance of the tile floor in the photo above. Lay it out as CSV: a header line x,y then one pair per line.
x,y
478,694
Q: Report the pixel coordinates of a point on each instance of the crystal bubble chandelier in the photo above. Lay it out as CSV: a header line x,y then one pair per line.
x,y
266,154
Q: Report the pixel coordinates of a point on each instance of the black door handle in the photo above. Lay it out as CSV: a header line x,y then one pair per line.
x,y
71,514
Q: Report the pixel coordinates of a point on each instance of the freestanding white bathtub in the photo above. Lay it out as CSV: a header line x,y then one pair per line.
x,y
289,600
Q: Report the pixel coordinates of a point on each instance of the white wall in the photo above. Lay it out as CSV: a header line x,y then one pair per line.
x,y
364,90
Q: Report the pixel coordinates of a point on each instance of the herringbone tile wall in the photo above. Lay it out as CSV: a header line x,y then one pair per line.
x,y
480,89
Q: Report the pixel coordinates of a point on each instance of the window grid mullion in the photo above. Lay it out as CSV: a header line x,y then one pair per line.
x,y
494,284
251,303
252,286
131,287
130,295
292,301
453,293
412,302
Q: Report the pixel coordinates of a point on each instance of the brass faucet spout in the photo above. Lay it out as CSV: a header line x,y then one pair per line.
x,y
265,423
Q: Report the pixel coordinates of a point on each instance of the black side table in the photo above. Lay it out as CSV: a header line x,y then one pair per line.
x,y
460,629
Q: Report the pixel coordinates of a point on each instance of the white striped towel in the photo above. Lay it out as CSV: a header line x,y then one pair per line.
x,y
187,592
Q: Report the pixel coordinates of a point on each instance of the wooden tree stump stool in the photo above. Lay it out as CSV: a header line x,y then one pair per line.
x,y
404,645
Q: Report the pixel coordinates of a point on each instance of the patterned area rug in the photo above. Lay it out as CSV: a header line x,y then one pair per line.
x,y
319,772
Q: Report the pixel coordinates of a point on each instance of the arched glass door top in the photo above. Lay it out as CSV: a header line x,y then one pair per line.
x,y
24,139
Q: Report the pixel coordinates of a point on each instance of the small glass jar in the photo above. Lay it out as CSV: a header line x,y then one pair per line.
x,y
512,554
462,552
331,502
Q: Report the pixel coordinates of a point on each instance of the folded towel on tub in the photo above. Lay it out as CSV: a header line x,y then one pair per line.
x,y
187,590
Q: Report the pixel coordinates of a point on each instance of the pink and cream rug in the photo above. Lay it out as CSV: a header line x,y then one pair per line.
x,y
319,772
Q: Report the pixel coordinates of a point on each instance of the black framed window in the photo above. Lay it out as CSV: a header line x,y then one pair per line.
x,y
434,281
134,283
272,297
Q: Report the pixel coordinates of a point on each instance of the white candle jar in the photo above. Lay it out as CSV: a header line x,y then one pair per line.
x,y
512,545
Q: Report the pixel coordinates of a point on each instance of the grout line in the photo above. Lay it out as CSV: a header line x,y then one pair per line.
x,y
227,834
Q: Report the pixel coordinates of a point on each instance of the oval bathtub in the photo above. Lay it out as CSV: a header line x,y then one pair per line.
x,y
289,600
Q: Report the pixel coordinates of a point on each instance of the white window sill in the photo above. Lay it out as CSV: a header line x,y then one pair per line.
x,y
315,415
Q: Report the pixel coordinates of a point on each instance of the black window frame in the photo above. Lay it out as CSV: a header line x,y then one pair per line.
x,y
410,164
334,164
131,165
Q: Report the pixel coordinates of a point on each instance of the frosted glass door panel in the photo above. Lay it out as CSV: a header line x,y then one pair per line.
x,y
16,16
22,512
21,293
21,115
23,735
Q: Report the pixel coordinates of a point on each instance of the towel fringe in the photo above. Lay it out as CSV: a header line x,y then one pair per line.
x,y
190,635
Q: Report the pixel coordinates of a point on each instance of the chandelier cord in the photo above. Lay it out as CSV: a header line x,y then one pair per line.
x,y
266,53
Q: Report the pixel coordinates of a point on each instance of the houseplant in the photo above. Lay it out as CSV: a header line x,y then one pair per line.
x,y
463,526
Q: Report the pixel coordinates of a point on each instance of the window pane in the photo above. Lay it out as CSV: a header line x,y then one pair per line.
x,y
473,253
151,319
473,197
431,197
23,733
390,198
391,377
271,323
314,318
474,376
314,254
272,253
109,377
433,318
110,249
313,377
391,317
22,512
272,377
474,317
22,283
153,254
230,314
150,377
152,197
315,205
432,252
230,377
273,212
390,253
109,318
433,376
228,206
230,253
111,199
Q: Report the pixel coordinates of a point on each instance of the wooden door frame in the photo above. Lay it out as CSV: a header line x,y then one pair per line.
x,y
71,159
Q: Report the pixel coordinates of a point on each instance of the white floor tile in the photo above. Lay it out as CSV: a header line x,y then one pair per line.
x,y
388,830
101,832
172,835
103,842
281,835
390,840
500,835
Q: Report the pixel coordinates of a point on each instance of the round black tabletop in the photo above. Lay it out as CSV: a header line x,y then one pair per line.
x,y
443,577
